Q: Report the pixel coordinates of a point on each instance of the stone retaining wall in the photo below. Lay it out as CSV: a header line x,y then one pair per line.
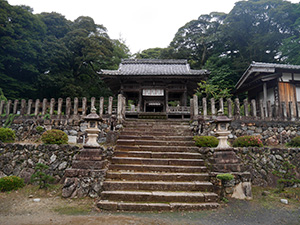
x,y
20,159
272,133
261,162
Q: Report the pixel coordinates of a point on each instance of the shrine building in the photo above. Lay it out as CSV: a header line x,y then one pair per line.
x,y
154,85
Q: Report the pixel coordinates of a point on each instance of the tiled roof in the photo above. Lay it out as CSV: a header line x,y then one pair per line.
x,y
154,67
260,67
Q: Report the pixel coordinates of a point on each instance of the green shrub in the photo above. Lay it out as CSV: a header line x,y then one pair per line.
x,y
206,141
295,142
225,177
40,177
54,137
39,129
247,141
7,135
11,183
286,175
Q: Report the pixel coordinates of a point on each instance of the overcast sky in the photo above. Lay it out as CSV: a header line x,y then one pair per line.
x,y
141,23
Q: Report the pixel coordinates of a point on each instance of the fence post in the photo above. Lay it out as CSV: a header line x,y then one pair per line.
x,y
68,106
75,106
229,103
195,106
1,106
59,107
246,110
84,106
221,105
37,107
8,105
23,106
204,106
16,102
120,108
253,108
52,105
93,99
110,105
269,109
237,112
101,107
44,109
29,107
261,106
213,106
284,112
291,109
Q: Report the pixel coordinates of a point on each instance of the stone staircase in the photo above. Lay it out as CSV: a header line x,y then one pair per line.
x,y
156,167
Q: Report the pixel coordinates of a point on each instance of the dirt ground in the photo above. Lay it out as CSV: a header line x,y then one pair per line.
x,y
22,207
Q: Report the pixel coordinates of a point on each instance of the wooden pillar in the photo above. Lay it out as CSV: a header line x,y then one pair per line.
x,y
284,111
213,106
75,106
29,106
291,109
101,107
52,105
140,100
298,110
110,105
167,99
185,96
84,102
15,109
37,107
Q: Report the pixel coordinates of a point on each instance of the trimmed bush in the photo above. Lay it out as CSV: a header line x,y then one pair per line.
x,y
206,141
225,177
247,141
11,183
54,137
295,142
7,135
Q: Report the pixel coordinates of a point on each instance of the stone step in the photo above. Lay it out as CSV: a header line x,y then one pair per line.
x,y
160,130
151,137
157,127
157,176
159,196
157,168
136,206
157,148
157,161
154,122
154,142
149,154
155,133
157,186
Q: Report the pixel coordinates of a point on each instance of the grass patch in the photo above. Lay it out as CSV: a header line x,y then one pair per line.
x,y
272,198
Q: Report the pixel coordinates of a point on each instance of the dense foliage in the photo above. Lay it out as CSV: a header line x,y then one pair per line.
x,y
41,177
7,135
225,44
54,137
46,55
295,142
11,183
225,177
206,141
247,141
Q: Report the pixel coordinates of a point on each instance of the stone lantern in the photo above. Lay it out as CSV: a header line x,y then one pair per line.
x,y
222,132
92,130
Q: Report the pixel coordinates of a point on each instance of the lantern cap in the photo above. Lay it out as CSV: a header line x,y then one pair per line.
x,y
222,118
93,115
